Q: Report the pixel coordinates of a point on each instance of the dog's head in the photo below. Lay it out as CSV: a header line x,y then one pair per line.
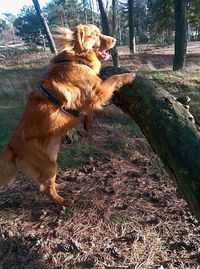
x,y
84,38
87,37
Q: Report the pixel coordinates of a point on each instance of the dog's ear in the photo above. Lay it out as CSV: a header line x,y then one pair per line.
x,y
79,38
64,38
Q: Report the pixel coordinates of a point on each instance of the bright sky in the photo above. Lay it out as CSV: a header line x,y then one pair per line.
x,y
15,6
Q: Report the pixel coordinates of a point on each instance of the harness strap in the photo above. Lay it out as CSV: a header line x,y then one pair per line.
x,y
49,95
69,61
70,112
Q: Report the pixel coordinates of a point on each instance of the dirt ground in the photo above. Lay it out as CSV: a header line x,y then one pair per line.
x,y
127,212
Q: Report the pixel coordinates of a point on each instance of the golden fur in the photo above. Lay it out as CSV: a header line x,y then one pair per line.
x,y
34,144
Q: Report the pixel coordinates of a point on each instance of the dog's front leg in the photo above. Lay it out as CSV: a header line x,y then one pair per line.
x,y
88,121
106,88
88,117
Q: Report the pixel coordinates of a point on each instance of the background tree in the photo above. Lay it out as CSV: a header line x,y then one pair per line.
x,y
84,3
114,31
28,25
194,19
123,30
141,21
7,30
132,45
154,19
10,18
69,13
161,21
91,4
56,13
45,25
2,24
106,27
180,34
104,18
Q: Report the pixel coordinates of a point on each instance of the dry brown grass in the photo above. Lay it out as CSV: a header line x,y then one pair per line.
x,y
126,213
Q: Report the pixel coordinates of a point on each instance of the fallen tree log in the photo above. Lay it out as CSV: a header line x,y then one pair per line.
x,y
169,128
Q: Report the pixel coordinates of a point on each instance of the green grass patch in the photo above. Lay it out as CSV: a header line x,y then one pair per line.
x,y
92,151
9,115
121,123
72,157
119,218
180,84
119,144
69,158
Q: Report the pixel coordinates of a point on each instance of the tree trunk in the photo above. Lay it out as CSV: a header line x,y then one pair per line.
x,y
63,14
46,27
119,31
104,18
180,34
131,24
106,29
85,11
115,55
170,129
91,10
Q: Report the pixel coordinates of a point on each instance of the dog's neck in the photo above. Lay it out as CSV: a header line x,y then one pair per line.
x,y
88,58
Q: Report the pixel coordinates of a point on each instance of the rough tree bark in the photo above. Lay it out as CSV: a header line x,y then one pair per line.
x,y
91,10
169,128
114,32
131,24
46,27
104,18
85,11
181,26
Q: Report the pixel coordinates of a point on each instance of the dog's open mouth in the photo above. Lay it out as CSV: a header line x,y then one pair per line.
x,y
104,55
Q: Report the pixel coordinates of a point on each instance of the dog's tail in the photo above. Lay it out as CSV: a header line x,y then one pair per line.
x,y
8,167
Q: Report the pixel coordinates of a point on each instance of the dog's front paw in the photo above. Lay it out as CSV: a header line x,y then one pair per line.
x,y
128,78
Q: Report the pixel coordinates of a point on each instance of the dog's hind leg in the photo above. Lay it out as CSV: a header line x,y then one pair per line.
x,y
47,180
42,169
50,189
8,167
60,186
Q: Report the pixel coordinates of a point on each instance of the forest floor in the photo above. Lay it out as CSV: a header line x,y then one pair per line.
x,y
127,211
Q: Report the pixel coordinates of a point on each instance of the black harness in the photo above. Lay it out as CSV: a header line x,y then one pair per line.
x,y
69,61
70,112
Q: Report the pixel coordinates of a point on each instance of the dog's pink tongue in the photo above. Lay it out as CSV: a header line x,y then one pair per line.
x,y
104,54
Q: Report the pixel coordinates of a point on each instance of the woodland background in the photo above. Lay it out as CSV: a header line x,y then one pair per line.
x,y
128,212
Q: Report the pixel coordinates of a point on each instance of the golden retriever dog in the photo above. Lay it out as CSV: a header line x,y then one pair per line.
x,y
70,84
